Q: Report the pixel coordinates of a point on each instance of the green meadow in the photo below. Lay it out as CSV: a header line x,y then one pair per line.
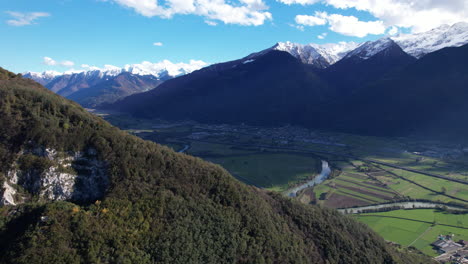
x,y
411,232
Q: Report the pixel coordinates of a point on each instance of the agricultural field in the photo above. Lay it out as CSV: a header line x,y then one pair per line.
x,y
410,227
420,186
360,183
443,158
269,170
353,186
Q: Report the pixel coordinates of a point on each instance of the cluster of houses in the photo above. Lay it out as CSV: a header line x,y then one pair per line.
x,y
283,135
451,251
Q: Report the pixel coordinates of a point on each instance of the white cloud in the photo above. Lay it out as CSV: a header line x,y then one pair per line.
x,y
158,44
109,67
393,31
51,62
242,12
67,63
421,15
352,26
301,2
322,36
299,27
24,19
89,68
310,20
211,23
346,25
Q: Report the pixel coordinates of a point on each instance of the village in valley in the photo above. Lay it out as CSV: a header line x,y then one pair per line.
x,y
451,251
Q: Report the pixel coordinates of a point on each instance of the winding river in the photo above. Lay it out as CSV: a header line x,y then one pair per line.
x,y
317,180
325,174
185,148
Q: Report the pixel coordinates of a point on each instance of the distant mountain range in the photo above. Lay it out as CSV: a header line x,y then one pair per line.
x,y
328,86
107,85
417,45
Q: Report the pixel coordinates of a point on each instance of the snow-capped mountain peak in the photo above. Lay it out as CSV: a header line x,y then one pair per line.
x,y
42,77
164,68
420,44
416,45
161,70
320,56
324,55
370,48
333,52
46,74
306,53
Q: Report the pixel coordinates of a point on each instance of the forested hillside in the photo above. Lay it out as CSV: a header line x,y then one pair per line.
x,y
158,206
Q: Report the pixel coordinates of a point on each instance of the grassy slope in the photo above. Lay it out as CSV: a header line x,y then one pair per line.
x,y
161,207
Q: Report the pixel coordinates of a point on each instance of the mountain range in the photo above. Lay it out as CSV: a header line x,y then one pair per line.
x,y
95,86
77,190
427,97
312,86
416,45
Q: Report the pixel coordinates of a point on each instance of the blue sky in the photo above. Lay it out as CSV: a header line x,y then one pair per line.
x,y
117,32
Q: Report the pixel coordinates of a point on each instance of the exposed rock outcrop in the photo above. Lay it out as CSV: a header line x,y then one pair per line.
x,y
8,197
76,176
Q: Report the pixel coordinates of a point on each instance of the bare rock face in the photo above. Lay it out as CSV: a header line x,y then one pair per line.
x,y
76,176
55,185
8,197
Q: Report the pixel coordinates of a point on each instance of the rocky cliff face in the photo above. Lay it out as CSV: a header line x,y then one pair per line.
x,y
51,175
9,193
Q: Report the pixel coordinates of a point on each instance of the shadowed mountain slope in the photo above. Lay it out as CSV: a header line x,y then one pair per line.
x,y
374,90
109,91
275,88
427,97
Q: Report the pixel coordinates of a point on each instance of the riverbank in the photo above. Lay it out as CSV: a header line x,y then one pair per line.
x,y
398,206
324,174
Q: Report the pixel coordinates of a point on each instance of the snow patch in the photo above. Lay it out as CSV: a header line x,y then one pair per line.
x,y
370,48
420,44
321,56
